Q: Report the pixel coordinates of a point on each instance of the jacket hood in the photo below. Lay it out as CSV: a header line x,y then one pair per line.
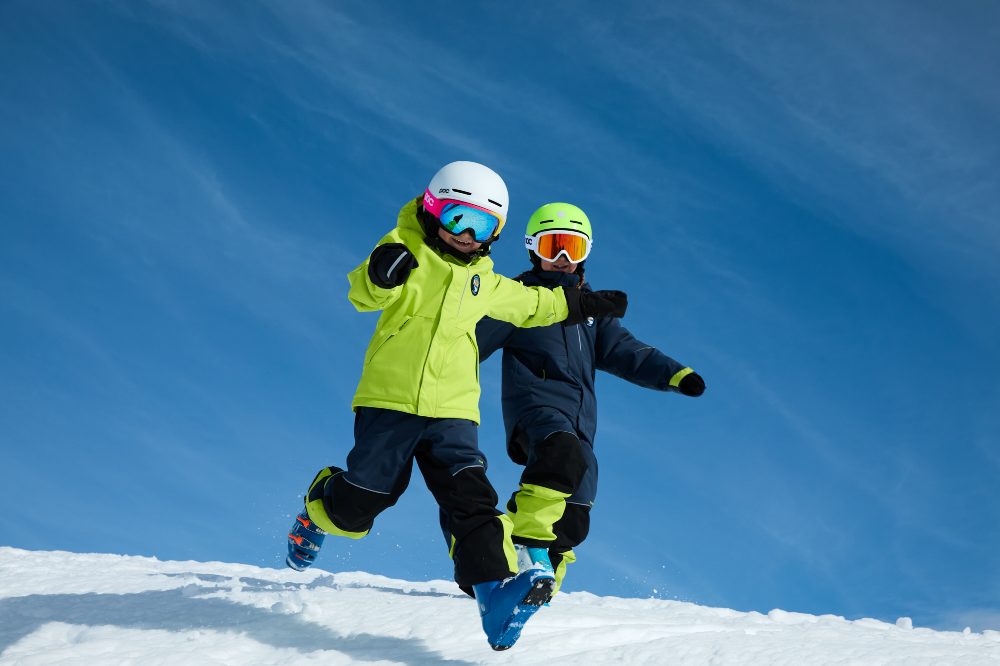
x,y
408,217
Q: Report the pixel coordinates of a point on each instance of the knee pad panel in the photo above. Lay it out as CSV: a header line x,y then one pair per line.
x,y
574,526
352,508
557,462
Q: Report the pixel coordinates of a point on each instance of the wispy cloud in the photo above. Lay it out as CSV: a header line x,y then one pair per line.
x,y
208,230
418,90
917,168
320,40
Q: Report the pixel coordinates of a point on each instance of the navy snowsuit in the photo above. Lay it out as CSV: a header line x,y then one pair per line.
x,y
550,413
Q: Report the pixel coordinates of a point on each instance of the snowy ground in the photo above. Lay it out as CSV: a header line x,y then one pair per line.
x,y
65,608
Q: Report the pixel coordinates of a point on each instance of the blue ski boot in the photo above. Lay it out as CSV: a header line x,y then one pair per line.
x,y
505,606
533,558
304,541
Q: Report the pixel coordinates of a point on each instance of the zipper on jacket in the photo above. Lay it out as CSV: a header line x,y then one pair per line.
x,y
465,286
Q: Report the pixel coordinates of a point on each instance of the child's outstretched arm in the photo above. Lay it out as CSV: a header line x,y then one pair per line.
x,y
377,282
621,354
526,307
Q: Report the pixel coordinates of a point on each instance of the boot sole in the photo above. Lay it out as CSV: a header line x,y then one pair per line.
x,y
540,593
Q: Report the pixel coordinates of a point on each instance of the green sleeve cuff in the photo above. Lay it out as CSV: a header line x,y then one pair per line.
x,y
675,381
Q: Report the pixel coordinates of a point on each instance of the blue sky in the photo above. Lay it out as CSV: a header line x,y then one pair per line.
x,y
801,202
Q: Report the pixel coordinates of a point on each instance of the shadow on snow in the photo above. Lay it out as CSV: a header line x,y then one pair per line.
x,y
182,609
259,584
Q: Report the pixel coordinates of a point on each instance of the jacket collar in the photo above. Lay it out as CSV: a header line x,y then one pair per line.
x,y
551,279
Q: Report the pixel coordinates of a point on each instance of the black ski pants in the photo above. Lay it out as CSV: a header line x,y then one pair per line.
x,y
378,471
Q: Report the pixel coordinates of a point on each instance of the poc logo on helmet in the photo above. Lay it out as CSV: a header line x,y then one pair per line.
x,y
444,190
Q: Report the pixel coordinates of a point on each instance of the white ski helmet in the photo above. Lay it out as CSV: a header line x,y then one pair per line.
x,y
471,183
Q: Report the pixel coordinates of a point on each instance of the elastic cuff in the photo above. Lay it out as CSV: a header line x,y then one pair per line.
x,y
317,513
574,314
316,509
675,381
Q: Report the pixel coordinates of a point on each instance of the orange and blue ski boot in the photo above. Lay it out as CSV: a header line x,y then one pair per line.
x,y
304,541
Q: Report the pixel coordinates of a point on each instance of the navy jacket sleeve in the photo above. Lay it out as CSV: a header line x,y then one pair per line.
x,y
618,352
491,335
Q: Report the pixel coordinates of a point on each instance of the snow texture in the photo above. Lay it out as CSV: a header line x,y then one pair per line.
x,y
66,608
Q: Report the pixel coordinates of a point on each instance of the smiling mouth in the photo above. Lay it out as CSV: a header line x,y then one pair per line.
x,y
462,242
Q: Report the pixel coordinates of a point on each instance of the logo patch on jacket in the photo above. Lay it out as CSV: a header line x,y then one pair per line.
x,y
475,284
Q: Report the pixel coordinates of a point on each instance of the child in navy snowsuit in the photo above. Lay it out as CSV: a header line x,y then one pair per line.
x,y
549,402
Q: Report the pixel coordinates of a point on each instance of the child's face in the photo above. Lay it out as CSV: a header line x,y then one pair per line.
x,y
464,242
561,264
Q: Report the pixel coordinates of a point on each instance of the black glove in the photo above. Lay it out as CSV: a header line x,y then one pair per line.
x,y
691,384
390,265
585,304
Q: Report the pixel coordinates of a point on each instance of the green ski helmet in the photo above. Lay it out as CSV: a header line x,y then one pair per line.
x,y
556,217
559,216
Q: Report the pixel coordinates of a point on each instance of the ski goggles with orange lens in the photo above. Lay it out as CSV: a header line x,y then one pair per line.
x,y
548,245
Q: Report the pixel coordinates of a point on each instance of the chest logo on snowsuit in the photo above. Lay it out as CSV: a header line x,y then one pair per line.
x,y
590,322
475,284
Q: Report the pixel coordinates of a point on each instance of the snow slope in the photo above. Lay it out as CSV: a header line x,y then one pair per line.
x,y
65,608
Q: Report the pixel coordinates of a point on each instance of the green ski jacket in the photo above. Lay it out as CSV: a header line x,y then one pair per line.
x,y
423,358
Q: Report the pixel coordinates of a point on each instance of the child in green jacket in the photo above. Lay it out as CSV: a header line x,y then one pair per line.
x,y
418,398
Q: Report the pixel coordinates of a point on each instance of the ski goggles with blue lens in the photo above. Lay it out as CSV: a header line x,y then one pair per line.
x,y
457,217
